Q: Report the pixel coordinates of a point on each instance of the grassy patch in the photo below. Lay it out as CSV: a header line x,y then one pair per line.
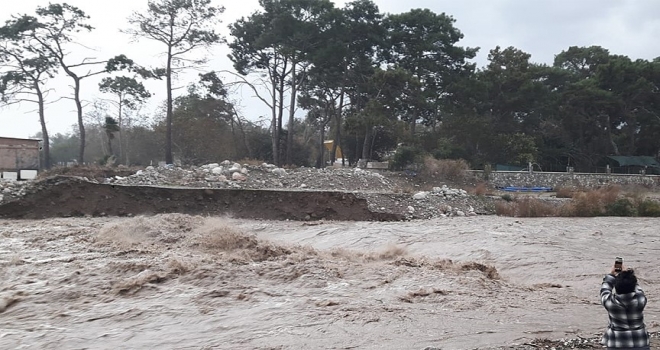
x,y
565,192
606,201
526,207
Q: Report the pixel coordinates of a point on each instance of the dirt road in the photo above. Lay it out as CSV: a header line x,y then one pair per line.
x,y
186,282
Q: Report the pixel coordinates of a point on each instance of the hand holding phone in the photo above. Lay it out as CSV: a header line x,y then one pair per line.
x,y
618,264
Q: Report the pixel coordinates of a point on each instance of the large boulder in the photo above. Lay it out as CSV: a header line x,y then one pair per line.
x,y
238,177
217,170
420,195
279,171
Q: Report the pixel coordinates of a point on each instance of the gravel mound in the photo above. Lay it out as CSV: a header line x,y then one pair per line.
x,y
385,191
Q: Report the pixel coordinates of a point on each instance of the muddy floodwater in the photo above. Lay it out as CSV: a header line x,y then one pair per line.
x,y
185,282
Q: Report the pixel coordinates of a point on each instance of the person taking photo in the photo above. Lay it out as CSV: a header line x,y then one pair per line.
x,y
625,306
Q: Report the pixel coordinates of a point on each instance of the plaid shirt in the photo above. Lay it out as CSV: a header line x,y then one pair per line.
x,y
626,328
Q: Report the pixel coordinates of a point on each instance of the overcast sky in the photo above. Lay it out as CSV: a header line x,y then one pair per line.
x,y
542,28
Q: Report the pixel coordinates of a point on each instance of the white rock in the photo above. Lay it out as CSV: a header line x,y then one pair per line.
x,y
470,209
472,213
211,166
217,170
420,195
139,173
303,186
235,169
238,177
244,171
411,209
437,189
226,163
150,168
279,171
460,213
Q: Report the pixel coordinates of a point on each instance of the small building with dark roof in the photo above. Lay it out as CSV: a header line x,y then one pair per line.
x,y
631,164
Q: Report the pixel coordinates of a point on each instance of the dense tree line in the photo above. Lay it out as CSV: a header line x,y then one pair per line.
x,y
369,81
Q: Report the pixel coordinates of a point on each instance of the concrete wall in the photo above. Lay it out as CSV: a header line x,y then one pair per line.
x,y
18,154
525,179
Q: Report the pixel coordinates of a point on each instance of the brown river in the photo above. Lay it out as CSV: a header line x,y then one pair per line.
x,y
184,282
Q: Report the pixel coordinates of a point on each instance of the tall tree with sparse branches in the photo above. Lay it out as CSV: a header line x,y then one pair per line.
x,y
49,34
278,42
182,26
23,79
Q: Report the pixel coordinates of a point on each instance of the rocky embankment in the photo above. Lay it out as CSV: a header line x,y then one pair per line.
x,y
384,191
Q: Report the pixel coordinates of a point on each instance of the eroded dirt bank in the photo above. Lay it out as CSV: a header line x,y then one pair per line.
x,y
190,282
72,197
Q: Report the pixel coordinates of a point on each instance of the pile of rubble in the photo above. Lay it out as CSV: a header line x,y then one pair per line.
x,y
10,189
387,192
265,176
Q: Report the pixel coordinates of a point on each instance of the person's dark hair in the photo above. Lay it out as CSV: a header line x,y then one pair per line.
x,y
625,282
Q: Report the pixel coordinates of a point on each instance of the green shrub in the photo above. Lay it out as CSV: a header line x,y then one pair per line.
x,y
404,156
507,197
621,207
648,208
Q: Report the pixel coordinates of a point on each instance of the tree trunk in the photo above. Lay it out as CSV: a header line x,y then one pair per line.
x,y
109,145
280,115
292,110
336,141
357,148
169,159
81,125
44,130
76,98
320,160
611,138
121,139
127,150
366,146
275,134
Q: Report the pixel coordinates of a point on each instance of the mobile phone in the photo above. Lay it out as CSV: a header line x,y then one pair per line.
x,y
618,264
